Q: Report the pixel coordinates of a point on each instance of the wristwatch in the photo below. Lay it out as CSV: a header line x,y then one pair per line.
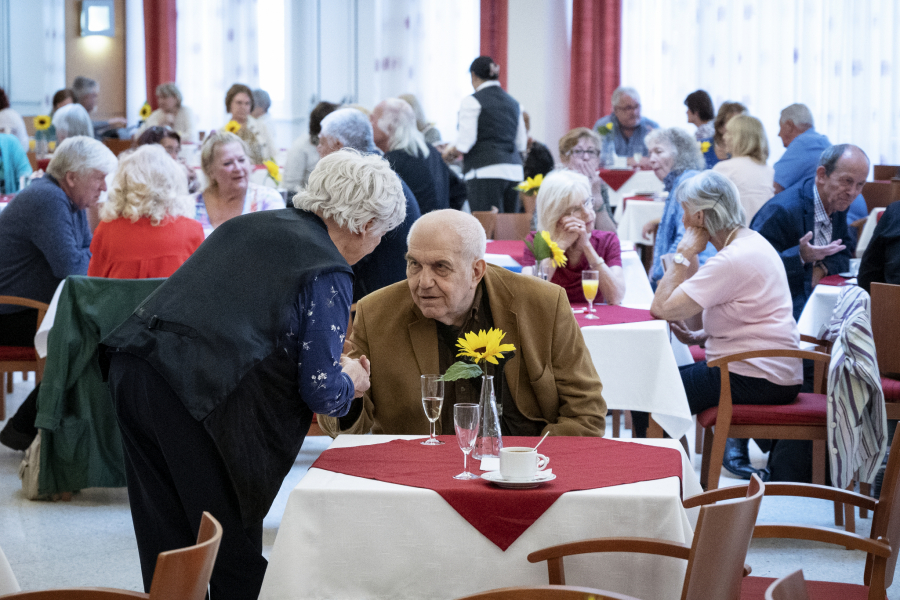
x,y
680,259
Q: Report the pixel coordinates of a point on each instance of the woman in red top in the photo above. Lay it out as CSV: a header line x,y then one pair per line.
x,y
565,209
148,228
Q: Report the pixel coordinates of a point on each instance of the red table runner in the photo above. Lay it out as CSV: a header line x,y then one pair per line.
x,y
502,515
835,280
615,178
610,315
513,248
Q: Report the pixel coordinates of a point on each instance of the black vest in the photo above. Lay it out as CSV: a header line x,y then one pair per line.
x,y
214,332
498,123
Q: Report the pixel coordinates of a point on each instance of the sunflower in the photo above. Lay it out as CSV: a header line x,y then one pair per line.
x,y
531,185
42,123
272,168
146,109
704,147
484,346
556,253
232,126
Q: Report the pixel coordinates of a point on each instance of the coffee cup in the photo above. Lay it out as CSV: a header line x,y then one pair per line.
x,y
521,463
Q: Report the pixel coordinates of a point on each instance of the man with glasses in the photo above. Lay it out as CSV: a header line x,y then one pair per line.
x,y
628,126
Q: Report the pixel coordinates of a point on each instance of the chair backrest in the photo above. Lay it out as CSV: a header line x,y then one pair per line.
x,y
27,303
789,587
886,516
885,172
547,592
117,146
185,573
488,220
886,325
721,540
877,193
512,226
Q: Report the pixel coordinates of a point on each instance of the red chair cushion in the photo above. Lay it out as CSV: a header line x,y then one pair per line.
x,y
807,409
891,389
754,588
17,353
697,353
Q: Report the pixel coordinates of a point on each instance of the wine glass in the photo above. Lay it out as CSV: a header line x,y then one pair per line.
x,y
432,400
465,418
590,282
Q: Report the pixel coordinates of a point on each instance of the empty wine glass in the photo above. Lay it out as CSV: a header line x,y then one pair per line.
x,y
432,401
590,283
465,419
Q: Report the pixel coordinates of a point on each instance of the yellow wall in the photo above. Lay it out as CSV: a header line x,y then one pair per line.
x,y
98,57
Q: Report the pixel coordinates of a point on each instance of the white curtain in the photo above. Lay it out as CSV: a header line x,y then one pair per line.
x,y
217,47
839,57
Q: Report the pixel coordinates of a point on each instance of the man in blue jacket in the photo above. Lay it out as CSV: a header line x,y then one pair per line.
x,y
807,223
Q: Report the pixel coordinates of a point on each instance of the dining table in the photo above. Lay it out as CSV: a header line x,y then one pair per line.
x,y
628,182
382,517
868,230
637,212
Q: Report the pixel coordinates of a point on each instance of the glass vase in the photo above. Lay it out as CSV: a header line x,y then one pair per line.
x,y
539,271
608,151
489,439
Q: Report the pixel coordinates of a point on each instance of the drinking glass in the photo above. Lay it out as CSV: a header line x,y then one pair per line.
x,y
590,282
465,419
432,401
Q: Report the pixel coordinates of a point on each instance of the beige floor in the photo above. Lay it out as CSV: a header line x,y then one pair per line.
x,y
90,541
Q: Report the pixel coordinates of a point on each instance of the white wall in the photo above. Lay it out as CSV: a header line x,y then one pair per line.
x,y
135,61
33,40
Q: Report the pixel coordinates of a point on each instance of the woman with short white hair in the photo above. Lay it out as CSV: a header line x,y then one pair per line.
x,y
225,161
744,297
745,141
147,228
171,113
225,363
565,210
71,120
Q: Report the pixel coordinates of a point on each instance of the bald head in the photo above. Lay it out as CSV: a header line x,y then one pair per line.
x,y
445,264
840,176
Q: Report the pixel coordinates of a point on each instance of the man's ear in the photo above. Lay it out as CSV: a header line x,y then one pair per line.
x,y
478,269
820,174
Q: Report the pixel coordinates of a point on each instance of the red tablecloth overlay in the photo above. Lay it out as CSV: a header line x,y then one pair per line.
x,y
610,315
502,515
513,248
615,178
835,280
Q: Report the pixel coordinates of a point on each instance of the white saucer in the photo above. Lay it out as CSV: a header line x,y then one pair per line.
x,y
497,479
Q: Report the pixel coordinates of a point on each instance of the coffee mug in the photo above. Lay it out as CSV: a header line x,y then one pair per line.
x,y
519,462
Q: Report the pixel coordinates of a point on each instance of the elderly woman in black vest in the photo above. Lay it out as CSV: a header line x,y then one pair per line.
x,y
216,376
491,139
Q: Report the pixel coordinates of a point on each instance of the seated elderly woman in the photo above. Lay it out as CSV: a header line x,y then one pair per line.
x,y
13,164
171,113
229,192
565,210
71,120
234,364
147,227
674,157
579,151
743,295
746,142
303,156
727,111
431,133
239,102
170,140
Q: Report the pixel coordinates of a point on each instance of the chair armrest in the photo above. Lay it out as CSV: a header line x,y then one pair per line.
x,y
782,353
87,593
851,541
712,496
621,544
822,492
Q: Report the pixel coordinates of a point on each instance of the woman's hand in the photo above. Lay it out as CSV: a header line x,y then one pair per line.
x,y
358,370
694,241
649,229
573,233
686,336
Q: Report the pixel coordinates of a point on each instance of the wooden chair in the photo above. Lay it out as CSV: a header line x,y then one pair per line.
x,y
116,145
715,558
881,559
804,419
512,226
488,220
885,172
182,574
789,587
547,592
886,332
877,194
16,358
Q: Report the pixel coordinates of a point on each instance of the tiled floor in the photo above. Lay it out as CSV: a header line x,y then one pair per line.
x,y
90,541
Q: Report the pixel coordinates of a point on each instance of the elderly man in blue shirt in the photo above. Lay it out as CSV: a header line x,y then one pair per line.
x,y
628,126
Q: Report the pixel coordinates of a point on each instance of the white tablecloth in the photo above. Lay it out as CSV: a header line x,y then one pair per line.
x,y
40,338
818,309
641,181
348,537
637,285
636,215
866,236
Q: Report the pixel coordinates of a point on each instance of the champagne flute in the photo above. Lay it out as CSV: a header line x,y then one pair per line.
x,y
465,418
590,282
432,401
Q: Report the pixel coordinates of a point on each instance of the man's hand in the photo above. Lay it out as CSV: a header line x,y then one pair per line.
x,y
810,253
450,153
650,228
694,241
358,371
819,271
118,122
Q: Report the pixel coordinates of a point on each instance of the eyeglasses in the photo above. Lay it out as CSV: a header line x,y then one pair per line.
x,y
583,153
585,208
628,107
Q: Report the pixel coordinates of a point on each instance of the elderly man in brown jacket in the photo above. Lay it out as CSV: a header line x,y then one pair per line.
x,y
410,328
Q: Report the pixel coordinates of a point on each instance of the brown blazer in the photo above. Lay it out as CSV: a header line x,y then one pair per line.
x,y
551,377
